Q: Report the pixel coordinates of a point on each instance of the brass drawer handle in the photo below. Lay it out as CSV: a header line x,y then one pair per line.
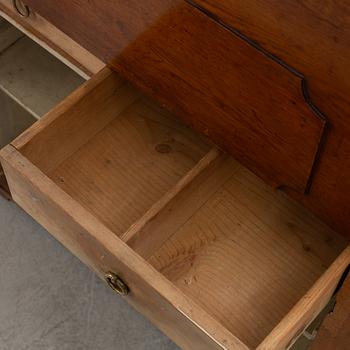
x,y
22,9
117,284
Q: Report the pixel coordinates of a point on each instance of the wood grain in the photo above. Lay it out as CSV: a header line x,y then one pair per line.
x,y
164,223
112,150
148,44
247,256
129,165
134,236
314,38
247,103
151,294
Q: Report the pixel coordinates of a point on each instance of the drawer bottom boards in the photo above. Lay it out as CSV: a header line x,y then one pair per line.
x,y
212,255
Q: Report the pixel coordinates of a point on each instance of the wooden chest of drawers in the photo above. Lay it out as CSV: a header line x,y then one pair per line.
x,y
212,255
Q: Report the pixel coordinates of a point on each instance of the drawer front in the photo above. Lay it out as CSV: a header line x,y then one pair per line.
x,y
246,101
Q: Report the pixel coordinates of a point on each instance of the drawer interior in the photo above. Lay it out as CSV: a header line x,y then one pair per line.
x,y
238,249
247,255
115,152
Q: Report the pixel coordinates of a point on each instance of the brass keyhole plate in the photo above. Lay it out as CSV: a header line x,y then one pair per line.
x,y
117,284
22,9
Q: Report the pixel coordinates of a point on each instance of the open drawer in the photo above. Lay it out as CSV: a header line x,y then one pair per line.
x,y
192,239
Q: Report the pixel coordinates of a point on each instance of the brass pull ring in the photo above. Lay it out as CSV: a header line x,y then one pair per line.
x,y
117,284
22,9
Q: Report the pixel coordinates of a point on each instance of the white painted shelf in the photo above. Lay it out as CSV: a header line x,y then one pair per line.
x,y
30,75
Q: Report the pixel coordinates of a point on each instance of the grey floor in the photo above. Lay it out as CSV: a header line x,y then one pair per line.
x,y
49,300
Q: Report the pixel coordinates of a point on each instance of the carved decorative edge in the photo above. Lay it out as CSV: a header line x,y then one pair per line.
x,y
303,86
